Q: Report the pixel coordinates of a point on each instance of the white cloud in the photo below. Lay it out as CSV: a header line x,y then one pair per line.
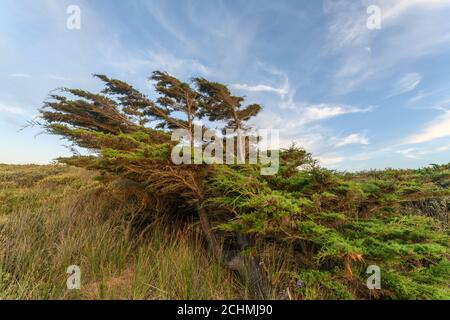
x,y
307,114
354,138
398,7
298,122
418,97
439,128
443,104
416,153
304,111
319,112
348,23
260,88
302,127
421,28
406,84
284,91
20,75
330,160
443,148
11,109
411,153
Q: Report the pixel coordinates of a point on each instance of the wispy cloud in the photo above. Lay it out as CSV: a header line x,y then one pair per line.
x,y
411,153
398,7
20,75
326,111
442,104
11,109
342,30
330,160
354,138
301,122
348,38
253,46
443,148
418,97
416,153
260,88
166,22
285,93
304,127
348,23
306,114
438,128
406,84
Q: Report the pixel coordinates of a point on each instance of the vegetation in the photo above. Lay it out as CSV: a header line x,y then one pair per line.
x,y
142,227
336,225
56,216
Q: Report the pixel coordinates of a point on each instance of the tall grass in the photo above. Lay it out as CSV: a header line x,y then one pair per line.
x,y
65,217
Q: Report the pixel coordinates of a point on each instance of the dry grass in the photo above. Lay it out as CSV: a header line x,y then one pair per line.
x,y
52,217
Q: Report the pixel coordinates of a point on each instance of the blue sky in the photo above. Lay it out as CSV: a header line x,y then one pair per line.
x,y
354,97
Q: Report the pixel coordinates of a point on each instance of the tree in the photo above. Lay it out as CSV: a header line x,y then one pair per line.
x,y
129,135
218,104
332,223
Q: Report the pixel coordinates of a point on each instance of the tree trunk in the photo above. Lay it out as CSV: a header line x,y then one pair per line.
x,y
251,270
206,228
247,266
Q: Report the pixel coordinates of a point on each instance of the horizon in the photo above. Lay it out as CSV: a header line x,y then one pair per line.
x,y
356,98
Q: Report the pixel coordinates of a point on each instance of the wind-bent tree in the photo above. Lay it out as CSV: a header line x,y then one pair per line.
x,y
330,225
129,135
177,96
218,104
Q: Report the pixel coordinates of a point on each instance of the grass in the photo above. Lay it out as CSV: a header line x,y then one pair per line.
x,y
54,216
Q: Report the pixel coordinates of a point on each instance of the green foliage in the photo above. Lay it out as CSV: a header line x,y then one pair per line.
x,y
336,224
320,285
